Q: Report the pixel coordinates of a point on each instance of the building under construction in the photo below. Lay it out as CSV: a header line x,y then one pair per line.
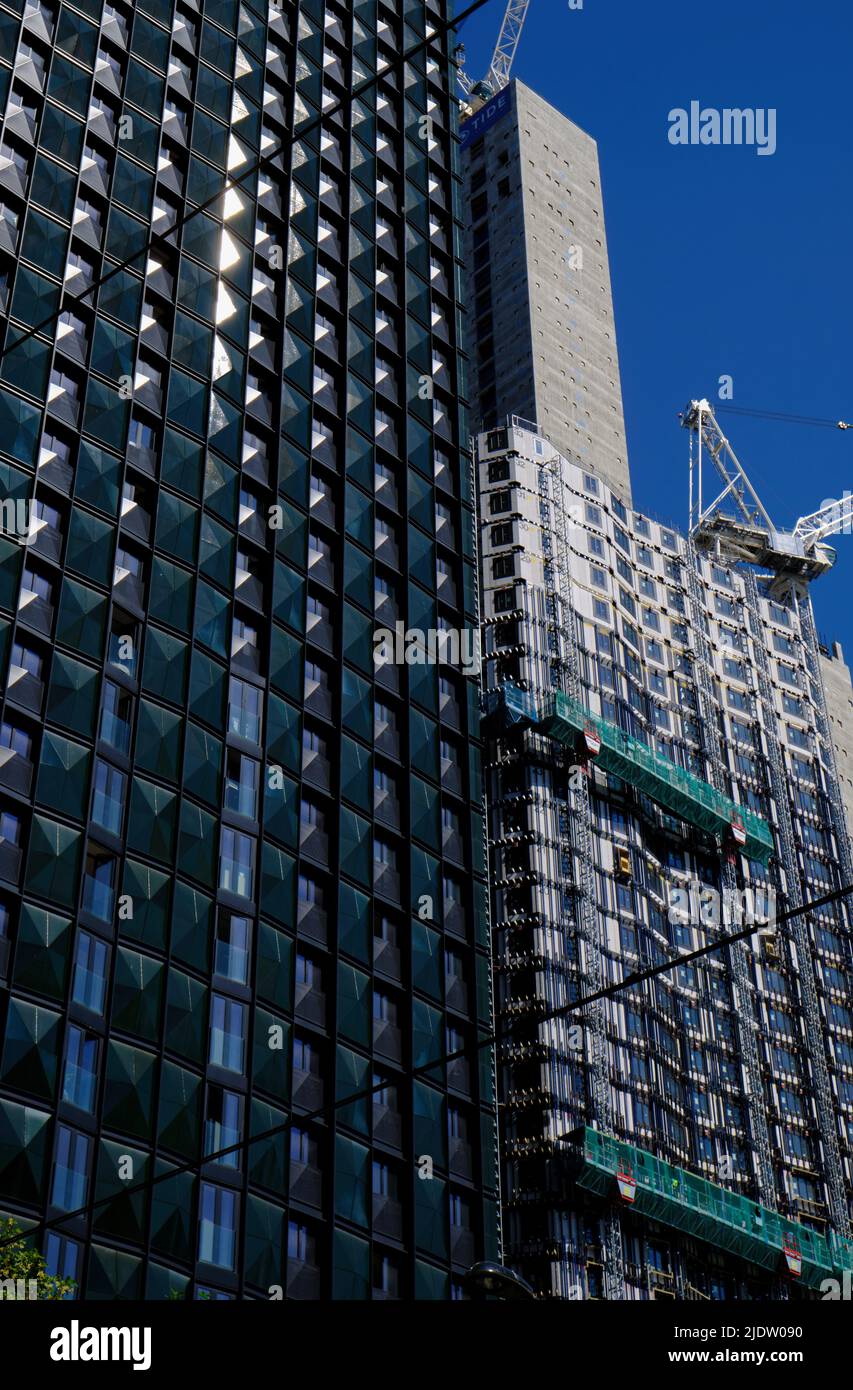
x,y
661,770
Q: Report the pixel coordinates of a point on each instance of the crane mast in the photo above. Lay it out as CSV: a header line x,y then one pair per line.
x,y
498,75
508,40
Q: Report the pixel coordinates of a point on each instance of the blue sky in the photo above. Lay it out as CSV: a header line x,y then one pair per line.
x,y
723,261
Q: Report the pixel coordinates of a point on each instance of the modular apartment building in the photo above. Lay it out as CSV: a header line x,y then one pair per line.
x,y
686,682
241,867
647,705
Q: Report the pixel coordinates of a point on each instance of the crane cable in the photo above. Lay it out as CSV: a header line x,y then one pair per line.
x,y
815,420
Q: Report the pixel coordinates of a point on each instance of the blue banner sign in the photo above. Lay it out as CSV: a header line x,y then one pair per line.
x,y
477,125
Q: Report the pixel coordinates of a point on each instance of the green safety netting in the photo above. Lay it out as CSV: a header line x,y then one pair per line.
x,y
687,797
706,1211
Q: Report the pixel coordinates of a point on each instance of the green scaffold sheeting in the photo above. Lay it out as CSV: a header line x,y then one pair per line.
x,y
706,1211
679,792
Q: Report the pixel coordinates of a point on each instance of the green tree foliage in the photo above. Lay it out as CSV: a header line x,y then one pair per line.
x,y
20,1261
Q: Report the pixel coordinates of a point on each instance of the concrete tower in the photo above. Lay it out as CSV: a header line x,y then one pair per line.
x,y
542,335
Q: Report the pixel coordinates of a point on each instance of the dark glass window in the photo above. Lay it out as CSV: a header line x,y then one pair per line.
x,y
244,710
70,1170
223,1124
81,1069
231,956
227,1034
90,973
241,784
217,1226
116,715
108,794
99,884
237,863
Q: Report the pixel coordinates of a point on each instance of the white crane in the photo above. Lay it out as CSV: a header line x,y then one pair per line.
x,y
497,77
830,519
737,522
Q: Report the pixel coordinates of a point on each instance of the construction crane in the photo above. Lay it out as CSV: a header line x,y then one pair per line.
x,y
829,520
476,94
737,521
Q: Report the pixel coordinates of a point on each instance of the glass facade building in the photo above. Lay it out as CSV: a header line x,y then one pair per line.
x,y
241,866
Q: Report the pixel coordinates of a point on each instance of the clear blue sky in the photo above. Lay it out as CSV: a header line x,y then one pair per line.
x,y
723,261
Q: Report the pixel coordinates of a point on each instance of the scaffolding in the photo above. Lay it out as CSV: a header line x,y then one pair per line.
x,y
736,952
577,814
492,1054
